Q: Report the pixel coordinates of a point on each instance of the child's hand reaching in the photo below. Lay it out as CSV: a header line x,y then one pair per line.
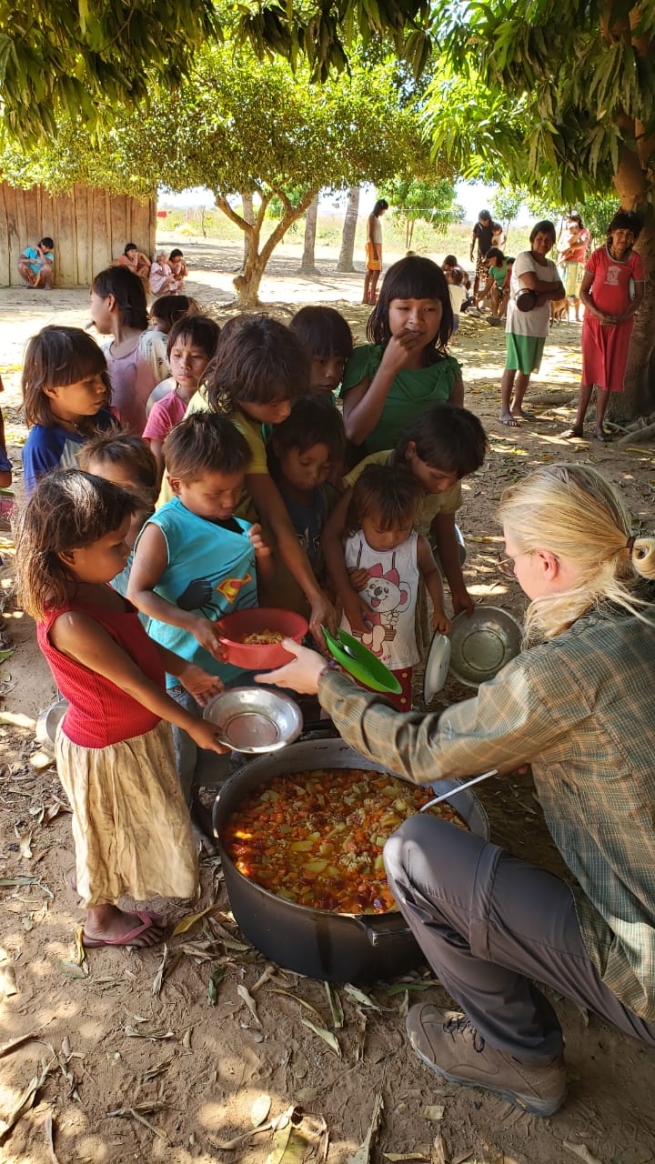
x,y
259,545
203,733
206,633
440,622
200,684
358,578
357,612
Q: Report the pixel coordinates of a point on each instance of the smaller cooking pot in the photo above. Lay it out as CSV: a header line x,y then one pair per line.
x,y
320,944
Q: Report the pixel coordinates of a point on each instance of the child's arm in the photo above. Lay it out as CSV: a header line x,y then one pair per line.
x,y
264,557
458,393
432,578
445,538
197,682
364,403
354,606
268,502
156,448
150,562
80,637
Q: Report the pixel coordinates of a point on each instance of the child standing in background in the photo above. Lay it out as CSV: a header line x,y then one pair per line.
x,y
136,357
305,453
391,381
327,340
66,396
195,561
386,559
457,293
114,748
127,461
191,345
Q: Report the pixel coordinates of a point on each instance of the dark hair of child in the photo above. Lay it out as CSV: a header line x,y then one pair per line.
x,y
312,421
199,330
55,358
392,494
67,510
129,293
543,227
128,450
495,253
129,247
380,205
258,361
205,442
169,308
322,331
626,220
446,437
47,242
457,276
176,253
450,261
413,278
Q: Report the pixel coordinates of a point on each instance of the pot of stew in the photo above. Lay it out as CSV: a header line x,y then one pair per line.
x,y
300,834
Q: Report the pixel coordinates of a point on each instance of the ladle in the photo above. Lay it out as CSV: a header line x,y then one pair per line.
x,y
460,788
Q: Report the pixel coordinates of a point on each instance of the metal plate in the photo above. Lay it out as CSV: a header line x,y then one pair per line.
x,y
482,644
254,719
436,666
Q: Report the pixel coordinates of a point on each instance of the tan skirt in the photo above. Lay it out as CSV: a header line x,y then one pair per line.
x,y
131,827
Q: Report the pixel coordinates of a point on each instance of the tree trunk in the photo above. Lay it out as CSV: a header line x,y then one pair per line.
x,y
345,260
248,216
248,281
308,266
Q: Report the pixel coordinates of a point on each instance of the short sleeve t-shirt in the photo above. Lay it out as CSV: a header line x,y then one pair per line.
x,y
164,415
432,504
411,394
484,233
56,448
535,323
457,296
610,289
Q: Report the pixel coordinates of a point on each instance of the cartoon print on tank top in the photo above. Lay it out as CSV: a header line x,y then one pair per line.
x,y
387,597
199,594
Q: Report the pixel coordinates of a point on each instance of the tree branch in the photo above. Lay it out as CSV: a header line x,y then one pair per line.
x,y
229,211
292,215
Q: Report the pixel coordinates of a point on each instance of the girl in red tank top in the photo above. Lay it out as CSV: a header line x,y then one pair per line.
x,y
114,749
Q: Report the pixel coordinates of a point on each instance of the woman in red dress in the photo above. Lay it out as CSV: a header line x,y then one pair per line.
x,y
612,291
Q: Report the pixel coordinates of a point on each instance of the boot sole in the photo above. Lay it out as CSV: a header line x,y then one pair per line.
x,y
537,1107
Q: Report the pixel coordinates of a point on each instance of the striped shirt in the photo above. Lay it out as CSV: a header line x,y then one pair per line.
x,y
581,710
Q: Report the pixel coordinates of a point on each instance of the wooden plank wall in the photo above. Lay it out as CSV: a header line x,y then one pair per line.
x,y
89,227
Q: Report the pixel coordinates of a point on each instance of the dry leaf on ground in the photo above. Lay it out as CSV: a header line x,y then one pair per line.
x,y
363,1153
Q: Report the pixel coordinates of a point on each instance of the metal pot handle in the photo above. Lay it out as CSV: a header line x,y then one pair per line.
x,y
382,927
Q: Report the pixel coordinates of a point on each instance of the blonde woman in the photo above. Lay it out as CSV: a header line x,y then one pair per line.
x,y
579,705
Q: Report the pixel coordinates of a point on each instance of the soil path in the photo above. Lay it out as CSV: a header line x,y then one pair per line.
x,y
139,1060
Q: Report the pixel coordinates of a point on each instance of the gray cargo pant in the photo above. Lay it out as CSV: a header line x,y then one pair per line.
x,y
488,923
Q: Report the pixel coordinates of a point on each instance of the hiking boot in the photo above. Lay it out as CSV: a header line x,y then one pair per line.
x,y
450,1045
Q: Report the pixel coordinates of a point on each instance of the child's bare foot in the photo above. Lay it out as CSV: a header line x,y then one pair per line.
x,y
574,431
519,412
107,925
509,420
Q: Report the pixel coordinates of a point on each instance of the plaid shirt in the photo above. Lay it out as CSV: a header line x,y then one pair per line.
x,y
581,710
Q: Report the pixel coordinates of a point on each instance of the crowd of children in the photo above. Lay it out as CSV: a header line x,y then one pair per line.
x,y
200,470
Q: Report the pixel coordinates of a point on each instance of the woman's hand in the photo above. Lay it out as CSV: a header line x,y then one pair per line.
x,y
322,613
203,733
200,683
206,634
302,675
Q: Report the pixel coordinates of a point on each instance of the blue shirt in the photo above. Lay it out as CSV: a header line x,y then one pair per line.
x,y
210,572
56,448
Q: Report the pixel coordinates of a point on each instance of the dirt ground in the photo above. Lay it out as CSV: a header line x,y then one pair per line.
x,y
151,1055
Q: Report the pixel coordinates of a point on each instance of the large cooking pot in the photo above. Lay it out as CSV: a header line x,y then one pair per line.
x,y
320,944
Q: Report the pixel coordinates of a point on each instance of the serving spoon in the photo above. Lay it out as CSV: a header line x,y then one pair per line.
x,y
460,788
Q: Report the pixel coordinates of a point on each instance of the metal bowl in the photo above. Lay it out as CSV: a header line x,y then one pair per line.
x,y
48,722
481,645
254,719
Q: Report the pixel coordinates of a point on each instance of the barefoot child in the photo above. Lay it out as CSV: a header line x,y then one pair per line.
x,y
386,559
195,561
191,345
66,395
114,748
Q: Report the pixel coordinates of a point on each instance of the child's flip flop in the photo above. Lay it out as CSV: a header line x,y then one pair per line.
x,y
147,922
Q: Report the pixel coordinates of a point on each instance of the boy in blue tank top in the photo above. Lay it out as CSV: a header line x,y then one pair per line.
x,y
195,562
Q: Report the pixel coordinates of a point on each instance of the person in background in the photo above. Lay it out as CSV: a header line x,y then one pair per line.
x,y
36,265
161,280
5,463
612,291
191,345
535,281
572,259
136,356
114,749
374,250
386,560
579,706
66,399
482,237
177,263
135,261
327,340
392,380
457,293
496,266
166,311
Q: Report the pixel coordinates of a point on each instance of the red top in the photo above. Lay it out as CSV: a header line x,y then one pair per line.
x,y
610,289
100,713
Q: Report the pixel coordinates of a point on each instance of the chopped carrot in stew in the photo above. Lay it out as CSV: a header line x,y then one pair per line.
x,y
316,837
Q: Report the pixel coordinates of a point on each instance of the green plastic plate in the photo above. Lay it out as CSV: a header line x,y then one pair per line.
x,y
361,663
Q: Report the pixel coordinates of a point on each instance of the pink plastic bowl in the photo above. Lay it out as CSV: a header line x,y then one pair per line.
x,y
234,628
